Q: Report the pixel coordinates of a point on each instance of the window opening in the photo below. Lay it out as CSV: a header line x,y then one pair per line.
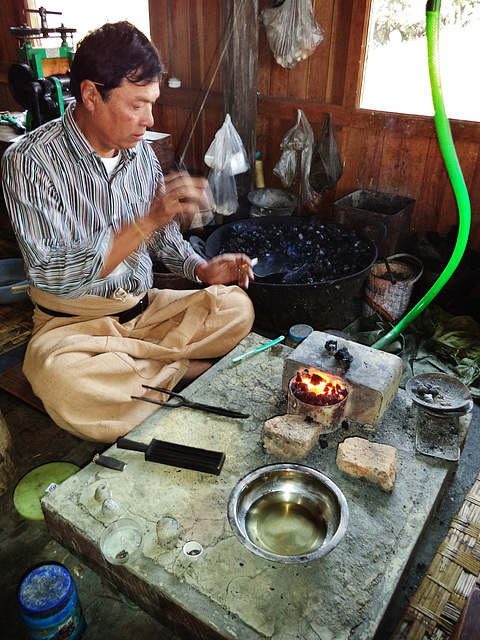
x,y
396,68
88,15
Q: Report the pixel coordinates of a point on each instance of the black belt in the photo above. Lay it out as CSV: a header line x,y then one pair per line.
x,y
123,317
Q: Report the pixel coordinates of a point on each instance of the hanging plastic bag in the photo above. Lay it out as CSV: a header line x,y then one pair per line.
x,y
226,152
327,163
292,142
226,157
292,30
298,139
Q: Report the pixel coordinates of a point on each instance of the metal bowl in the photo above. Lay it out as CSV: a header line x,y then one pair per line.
x,y
272,202
288,513
439,392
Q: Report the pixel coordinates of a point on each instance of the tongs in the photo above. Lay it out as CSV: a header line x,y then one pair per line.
x,y
183,402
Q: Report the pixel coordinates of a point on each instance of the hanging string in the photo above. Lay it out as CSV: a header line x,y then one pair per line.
x,y
171,60
233,23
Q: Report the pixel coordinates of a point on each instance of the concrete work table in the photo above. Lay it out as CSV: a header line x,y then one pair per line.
x,y
227,591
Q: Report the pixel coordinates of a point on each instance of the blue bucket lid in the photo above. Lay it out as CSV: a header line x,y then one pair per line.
x,y
300,331
44,589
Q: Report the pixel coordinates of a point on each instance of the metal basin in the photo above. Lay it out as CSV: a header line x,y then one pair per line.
x,y
13,282
278,306
288,513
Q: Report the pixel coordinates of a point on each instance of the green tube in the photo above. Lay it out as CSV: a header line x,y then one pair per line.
x,y
447,148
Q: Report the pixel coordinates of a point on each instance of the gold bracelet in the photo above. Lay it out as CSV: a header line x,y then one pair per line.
x,y
137,227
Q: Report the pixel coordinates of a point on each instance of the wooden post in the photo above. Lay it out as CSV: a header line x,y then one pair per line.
x,y
240,78
7,466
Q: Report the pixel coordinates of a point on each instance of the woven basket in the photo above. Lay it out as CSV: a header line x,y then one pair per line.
x,y
451,577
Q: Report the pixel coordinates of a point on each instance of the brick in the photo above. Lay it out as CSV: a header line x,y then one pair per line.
x,y
290,435
375,464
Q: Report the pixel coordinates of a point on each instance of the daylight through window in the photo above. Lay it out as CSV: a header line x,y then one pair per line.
x,y
396,70
88,15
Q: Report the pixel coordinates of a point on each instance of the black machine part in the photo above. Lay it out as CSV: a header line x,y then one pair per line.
x,y
37,94
25,32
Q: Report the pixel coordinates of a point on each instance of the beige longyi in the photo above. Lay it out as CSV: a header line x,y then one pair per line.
x,y
85,369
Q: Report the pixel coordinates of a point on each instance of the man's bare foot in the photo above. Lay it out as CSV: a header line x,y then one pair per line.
x,y
196,368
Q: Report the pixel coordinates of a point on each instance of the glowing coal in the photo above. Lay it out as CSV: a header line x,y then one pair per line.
x,y
315,389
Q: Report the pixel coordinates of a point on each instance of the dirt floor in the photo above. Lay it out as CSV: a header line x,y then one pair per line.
x,y
25,543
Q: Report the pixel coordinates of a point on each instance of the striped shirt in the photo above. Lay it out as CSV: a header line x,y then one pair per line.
x,y
64,207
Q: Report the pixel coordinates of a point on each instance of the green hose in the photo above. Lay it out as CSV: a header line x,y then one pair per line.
x,y
454,172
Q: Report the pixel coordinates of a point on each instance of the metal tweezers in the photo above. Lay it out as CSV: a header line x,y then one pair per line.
x,y
183,402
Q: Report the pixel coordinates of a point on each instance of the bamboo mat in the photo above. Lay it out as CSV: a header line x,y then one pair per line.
x,y
15,330
15,325
441,596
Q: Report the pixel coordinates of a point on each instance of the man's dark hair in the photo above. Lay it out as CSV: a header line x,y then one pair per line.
x,y
111,53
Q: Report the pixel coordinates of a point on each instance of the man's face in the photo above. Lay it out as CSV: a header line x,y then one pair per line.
x,y
121,121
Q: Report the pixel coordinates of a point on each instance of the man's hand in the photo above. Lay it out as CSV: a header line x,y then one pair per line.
x,y
182,196
227,268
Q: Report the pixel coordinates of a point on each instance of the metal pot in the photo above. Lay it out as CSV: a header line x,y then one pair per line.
x,y
279,306
13,282
272,202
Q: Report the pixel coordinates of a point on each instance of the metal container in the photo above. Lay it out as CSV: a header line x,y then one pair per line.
x,y
288,513
328,416
13,282
439,403
279,306
390,300
392,210
272,202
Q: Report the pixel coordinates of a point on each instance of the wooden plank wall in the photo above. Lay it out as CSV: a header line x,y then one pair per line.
x,y
386,152
10,15
197,30
381,151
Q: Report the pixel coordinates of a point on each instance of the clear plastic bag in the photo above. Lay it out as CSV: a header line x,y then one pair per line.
x,y
292,30
327,163
224,190
298,139
226,157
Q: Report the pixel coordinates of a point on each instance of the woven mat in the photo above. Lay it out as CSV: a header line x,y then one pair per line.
x,y
15,325
15,330
441,596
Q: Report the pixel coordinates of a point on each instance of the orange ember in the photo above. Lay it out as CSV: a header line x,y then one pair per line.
x,y
317,389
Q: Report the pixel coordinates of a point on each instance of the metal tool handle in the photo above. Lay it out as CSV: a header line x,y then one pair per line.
x,y
131,445
20,288
183,402
228,413
173,394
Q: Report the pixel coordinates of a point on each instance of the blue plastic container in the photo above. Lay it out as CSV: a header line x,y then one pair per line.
x,y
49,604
297,334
